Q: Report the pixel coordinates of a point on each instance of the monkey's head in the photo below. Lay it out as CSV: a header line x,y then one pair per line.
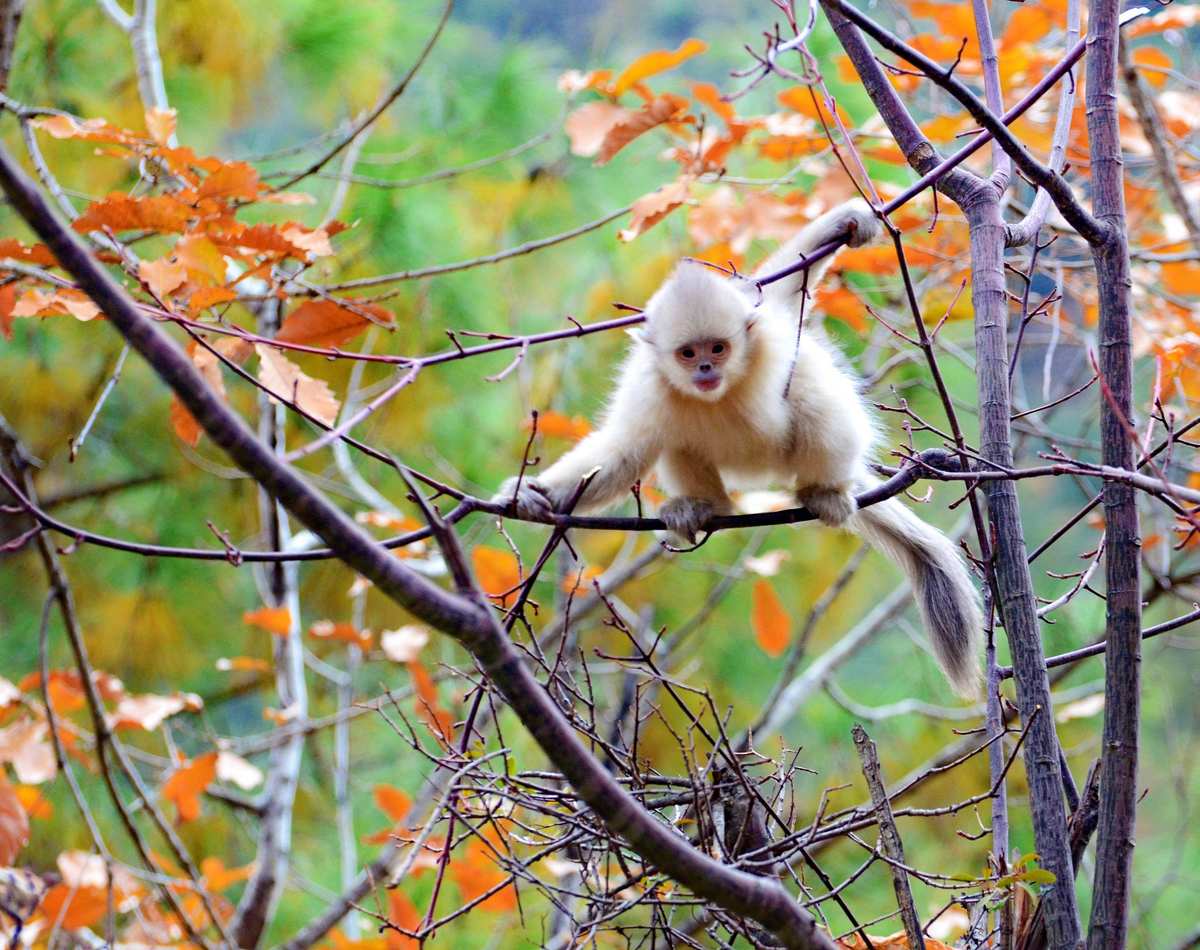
x,y
699,326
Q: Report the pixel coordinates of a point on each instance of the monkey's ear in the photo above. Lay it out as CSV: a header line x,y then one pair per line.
x,y
640,334
751,319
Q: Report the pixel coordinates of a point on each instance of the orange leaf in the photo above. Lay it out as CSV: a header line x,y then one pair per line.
x,y
162,276
329,324
231,181
35,805
649,209
14,824
96,130
772,625
276,620
217,877
557,425
405,915
710,96
1155,57
1182,277
243,664
842,304
801,100
186,784
660,60
896,941
428,705
285,380
345,632
497,572
392,801
12,249
475,873
208,297
184,424
120,212
60,302
666,108
74,907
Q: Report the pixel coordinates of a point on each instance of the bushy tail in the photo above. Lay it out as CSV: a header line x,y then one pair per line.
x,y
941,582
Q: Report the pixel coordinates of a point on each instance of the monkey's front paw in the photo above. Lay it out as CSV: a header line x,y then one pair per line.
x,y
857,223
832,505
685,516
528,497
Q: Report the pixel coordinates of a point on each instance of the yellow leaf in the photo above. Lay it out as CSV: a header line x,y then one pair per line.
x,y
660,60
772,625
160,123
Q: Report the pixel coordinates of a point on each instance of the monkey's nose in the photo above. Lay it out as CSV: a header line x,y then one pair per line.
x,y
706,367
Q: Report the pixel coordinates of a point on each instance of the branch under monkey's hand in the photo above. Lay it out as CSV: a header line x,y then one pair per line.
x,y
527,497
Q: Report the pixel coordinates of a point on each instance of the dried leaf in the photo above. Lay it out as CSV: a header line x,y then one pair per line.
x,y
187,783
26,746
9,695
660,60
276,620
160,123
150,711
13,250
652,208
60,302
285,380
14,824
233,768
96,130
588,125
209,297
404,643
666,108
768,563
329,324
573,81
772,625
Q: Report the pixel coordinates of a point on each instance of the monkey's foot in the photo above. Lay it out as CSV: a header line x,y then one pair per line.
x,y
832,505
857,223
685,516
528,497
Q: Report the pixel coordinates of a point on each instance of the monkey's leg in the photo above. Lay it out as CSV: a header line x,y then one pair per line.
x,y
833,505
697,493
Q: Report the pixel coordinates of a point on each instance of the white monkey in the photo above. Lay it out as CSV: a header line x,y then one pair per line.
x,y
705,394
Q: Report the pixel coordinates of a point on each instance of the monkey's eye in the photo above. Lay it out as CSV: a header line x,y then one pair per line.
x,y
687,353
718,348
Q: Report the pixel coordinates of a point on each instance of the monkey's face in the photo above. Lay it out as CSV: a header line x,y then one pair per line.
x,y
702,367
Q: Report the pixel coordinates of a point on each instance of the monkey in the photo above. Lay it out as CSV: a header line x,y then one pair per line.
x,y
722,384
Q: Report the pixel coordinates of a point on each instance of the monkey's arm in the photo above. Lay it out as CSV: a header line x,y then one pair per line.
x,y
618,455
853,220
696,490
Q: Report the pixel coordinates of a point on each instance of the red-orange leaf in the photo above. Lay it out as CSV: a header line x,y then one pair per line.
x,y
557,425
120,212
404,914
772,625
329,324
187,783
392,801
660,60
276,620
429,708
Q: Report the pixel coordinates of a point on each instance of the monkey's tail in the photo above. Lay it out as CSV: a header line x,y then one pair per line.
x,y
941,582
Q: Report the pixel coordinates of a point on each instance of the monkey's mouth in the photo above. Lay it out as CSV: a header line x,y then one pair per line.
x,y
707,383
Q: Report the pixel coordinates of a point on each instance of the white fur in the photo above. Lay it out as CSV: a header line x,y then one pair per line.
x,y
816,439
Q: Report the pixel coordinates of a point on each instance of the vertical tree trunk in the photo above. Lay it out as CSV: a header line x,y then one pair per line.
x,y
1118,769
